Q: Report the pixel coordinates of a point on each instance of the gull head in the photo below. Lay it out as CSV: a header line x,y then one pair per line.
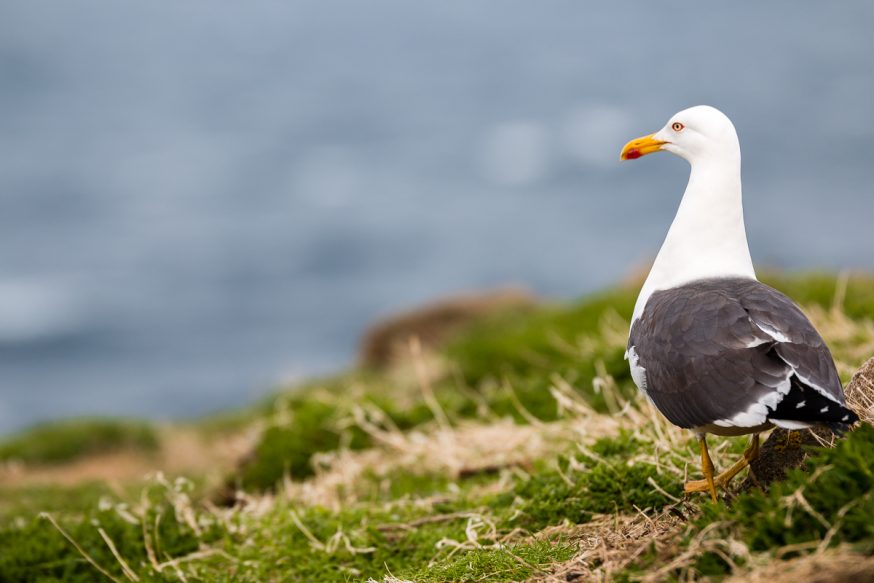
x,y
698,133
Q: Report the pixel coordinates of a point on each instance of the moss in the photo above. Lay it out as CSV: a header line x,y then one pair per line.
x,y
564,340
400,484
318,424
406,538
353,544
67,440
402,535
510,358
623,445
34,550
507,563
528,347
406,521
532,393
606,485
837,489
28,501
834,482
288,448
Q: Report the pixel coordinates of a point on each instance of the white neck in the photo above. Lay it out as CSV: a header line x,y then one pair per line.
x,y
707,238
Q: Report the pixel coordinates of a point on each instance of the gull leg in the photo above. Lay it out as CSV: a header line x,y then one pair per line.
x,y
751,453
707,484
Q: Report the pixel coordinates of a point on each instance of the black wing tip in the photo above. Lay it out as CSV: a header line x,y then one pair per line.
x,y
839,428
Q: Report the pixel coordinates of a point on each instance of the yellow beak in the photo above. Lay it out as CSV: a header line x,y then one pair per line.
x,y
640,147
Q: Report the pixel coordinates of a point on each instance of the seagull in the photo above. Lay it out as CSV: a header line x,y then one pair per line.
x,y
712,348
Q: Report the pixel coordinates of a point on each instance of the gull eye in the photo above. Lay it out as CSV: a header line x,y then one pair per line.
x,y
677,126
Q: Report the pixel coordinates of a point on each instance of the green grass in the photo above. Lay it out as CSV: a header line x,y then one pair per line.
x,y
608,484
34,550
831,496
421,523
526,347
60,441
506,362
287,448
317,419
841,491
510,563
819,289
29,500
368,540
529,347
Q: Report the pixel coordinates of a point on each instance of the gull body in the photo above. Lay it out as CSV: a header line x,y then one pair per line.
x,y
713,349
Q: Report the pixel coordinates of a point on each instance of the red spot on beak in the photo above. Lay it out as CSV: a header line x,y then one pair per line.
x,y
632,154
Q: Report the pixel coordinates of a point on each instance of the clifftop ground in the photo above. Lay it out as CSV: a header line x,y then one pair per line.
x,y
516,450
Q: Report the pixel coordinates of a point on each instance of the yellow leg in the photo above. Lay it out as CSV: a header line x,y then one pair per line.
x,y
709,483
707,468
752,452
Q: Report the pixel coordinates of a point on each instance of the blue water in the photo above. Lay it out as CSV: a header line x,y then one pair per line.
x,y
201,199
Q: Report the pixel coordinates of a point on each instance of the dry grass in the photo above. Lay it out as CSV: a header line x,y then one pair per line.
x,y
851,341
838,565
465,448
609,544
180,451
390,579
860,392
454,451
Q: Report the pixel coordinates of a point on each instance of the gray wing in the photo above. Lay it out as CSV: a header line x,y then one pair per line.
x,y
799,345
727,351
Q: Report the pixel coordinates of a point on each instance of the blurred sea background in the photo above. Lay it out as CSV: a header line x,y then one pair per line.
x,y
199,200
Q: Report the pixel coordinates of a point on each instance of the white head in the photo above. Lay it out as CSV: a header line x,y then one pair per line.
x,y
707,237
695,134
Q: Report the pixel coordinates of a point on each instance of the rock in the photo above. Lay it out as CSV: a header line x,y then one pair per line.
x,y
782,451
387,342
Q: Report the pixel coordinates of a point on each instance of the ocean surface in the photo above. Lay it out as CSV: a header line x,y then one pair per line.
x,y
199,200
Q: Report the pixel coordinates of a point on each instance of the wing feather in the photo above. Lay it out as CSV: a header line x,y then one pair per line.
x,y
712,349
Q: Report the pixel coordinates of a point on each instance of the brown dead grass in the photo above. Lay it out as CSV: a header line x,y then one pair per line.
x,y
851,341
860,392
180,451
453,451
608,544
840,565
458,449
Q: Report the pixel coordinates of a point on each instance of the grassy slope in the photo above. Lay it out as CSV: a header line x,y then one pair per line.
x,y
65,440
491,470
